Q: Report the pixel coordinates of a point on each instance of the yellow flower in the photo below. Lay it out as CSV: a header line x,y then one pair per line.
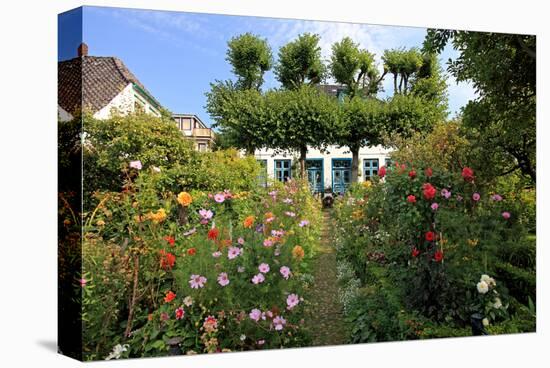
x,y
367,184
185,199
357,214
158,216
100,223
472,242
298,252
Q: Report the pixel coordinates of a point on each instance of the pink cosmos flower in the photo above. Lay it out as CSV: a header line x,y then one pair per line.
x,y
290,214
136,164
287,200
258,279
496,197
285,271
292,300
270,219
219,197
268,314
506,215
240,241
273,194
205,215
264,268
303,223
223,280
255,314
197,281
476,197
277,233
279,322
434,206
216,254
268,242
82,282
233,252
445,193
260,342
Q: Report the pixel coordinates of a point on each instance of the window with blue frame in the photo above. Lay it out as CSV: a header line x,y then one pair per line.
x,y
262,177
283,170
370,167
387,162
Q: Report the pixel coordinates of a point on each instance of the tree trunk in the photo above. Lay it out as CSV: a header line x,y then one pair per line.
x,y
303,153
250,151
395,84
354,164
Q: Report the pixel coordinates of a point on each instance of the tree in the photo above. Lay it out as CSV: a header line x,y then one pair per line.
x,y
402,64
300,118
240,115
354,68
363,122
300,62
250,56
502,119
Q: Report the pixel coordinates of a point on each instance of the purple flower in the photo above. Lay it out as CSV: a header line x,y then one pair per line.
x,y
287,200
260,228
292,300
476,197
434,206
255,314
445,193
233,252
219,197
496,197
136,164
279,322
285,271
506,215
303,223
197,281
205,215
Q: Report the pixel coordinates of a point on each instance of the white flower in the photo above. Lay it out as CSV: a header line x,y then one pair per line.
x,y
117,351
156,169
497,304
482,287
243,337
188,301
488,280
485,322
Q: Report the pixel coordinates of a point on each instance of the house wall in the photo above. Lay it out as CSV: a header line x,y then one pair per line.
x,y
333,152
125,103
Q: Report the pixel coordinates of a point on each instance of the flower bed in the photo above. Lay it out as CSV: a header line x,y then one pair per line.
x,y
414,243
196,272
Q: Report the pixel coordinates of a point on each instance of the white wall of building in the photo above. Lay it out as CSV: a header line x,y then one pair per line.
x,y
333,152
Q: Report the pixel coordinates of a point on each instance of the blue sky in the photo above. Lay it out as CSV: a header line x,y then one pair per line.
x,y
176,55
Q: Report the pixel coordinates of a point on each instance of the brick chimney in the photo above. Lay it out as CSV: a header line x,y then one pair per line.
x,y
82,50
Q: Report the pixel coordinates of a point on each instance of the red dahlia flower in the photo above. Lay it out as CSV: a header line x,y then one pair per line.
x,y
191,251
429,191
415,252
428,172
411,198
412,174
382,171
170,239
167,260
430,236
468,174
438,256
169,297
213,233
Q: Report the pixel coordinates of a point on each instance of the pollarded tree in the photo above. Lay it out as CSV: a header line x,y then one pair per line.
x,y
354,68
402,64
250,56
300,62
362,122
239,114
301,118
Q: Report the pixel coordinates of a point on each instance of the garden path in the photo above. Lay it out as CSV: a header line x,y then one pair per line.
x,y
326,322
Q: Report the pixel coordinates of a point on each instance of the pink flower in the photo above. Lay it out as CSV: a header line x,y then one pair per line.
x,y
240,269
260,342
303,223
476,197
255,314
290,214
287,200
233,252
82,282
205,215
285,271
268,242
258,279
197,281
223,280
136,164
434,206
273,194
180,313
506,215
216,254
279,322
240,241
496,197
291,301
445,193
219,197
264,268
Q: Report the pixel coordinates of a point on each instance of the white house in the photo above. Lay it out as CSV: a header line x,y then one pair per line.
x,y
100,85
330,169
192,127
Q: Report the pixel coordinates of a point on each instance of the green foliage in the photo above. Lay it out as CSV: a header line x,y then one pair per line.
x,y
502,68
403,64
300,62
250,56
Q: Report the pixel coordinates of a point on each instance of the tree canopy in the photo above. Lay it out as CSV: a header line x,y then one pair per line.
x,y
250,56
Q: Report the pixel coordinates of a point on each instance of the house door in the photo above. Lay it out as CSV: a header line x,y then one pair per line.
x,y
315,174
341,175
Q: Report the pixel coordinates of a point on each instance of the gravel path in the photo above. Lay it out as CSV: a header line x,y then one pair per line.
x,y
326,323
